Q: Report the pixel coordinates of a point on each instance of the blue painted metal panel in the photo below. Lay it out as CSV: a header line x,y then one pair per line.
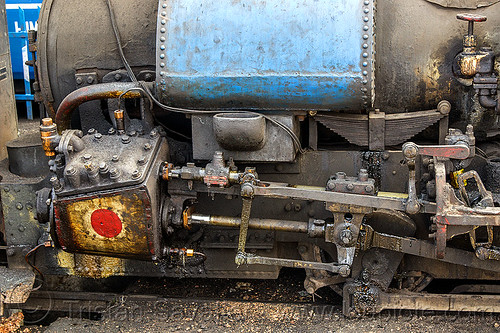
x,y
295,54
31,10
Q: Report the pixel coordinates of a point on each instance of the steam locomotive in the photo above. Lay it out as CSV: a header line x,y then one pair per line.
x,y
353,139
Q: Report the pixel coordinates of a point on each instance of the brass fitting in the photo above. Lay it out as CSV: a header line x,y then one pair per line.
x,y
48,134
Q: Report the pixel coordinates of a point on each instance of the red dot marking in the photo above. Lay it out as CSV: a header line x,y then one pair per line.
x,y
106,223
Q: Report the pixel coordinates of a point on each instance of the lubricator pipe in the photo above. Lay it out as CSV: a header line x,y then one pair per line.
x,y
90,93
254,223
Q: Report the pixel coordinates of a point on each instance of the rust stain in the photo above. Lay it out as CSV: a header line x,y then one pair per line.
x,y
98,267
76,233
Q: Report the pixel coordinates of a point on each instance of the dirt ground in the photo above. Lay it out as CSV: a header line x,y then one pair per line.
x,y
223,305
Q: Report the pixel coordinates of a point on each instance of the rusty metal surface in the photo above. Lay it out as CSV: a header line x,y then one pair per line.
x,y
278,146
395,129
76,234
90,93
15,284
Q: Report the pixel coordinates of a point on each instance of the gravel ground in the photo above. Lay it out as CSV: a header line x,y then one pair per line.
x,y
222,305
229,316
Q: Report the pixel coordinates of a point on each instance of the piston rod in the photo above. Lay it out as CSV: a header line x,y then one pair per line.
x,y
254,223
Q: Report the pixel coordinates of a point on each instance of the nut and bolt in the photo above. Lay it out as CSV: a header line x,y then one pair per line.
x,y
136,174
125,139
19,206
98,136
297,207
346,236
147,146
90,79
111,131
340,175
118,77
21,228
87,157
363,175
350,187
153,134
369,188
142,161
103,168
331,185
114,173
115,158
70,170
91,131
79,80
56,184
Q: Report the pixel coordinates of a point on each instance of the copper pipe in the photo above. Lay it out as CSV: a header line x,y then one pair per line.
x,y
90,93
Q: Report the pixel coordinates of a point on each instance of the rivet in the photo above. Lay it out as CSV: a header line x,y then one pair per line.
x,y
163,30
162,64
365,81
364,89
367,2
118,77
365,19
163,22
6,189
366,10
162,73
365,64
164,5
163,13
365,73
19,206
365,36
365,55
163,82
365,46
162,38
22,228
162,47
162,56
365,28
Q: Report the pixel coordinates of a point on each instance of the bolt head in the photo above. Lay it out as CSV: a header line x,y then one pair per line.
x,y
350,187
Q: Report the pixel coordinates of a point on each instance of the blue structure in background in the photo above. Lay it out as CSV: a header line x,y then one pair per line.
x,y
21,17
